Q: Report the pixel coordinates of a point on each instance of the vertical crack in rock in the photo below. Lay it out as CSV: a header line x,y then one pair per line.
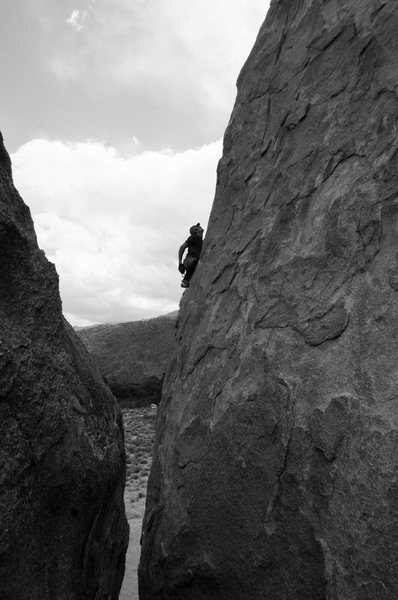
x,y
295,299
268,520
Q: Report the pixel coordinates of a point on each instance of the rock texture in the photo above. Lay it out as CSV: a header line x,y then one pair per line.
x,y
62,465
133,357
275,474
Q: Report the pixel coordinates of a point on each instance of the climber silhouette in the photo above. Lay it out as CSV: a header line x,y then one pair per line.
x,y
194,246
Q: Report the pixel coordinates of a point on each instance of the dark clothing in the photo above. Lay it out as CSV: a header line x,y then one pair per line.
x,y
194,243
190,265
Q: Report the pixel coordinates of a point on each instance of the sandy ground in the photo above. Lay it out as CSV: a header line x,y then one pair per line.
x,y
139,426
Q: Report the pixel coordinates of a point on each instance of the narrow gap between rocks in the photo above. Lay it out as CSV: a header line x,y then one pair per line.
x,y
139,431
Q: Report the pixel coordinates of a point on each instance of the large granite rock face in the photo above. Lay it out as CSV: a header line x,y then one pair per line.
x,y
133,356
62,465
275,474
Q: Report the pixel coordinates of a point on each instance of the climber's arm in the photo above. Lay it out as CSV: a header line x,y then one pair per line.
x,y
181,252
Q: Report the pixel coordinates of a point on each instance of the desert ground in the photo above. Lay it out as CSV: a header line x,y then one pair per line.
x,y
139,426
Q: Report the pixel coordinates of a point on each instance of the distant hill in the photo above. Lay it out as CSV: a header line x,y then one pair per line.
x,y
132,357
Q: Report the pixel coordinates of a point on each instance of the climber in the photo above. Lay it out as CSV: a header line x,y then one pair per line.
x,y
194,246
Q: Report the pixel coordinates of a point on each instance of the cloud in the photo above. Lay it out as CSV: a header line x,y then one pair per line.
x,y
170,66
76,19
112,225
143,75
196,46
164,72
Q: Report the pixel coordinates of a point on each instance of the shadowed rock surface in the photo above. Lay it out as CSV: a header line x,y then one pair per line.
x,y
275,469
62,464
133,356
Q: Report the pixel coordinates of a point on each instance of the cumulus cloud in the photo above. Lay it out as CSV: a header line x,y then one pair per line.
x,y
112,224
142,75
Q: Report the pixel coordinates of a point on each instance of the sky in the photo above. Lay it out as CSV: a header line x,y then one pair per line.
x,y
113,112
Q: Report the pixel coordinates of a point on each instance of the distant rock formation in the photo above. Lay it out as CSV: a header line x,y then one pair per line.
x,y
275,473
133,356
62,465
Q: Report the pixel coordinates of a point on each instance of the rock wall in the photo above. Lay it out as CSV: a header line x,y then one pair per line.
x,y
275,472
133,357
62,465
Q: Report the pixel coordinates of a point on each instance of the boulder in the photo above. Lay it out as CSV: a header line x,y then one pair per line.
x,y
275,468
63,528
133,356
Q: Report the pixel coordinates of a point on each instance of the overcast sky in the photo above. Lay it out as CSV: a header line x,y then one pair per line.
x,y
113,112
